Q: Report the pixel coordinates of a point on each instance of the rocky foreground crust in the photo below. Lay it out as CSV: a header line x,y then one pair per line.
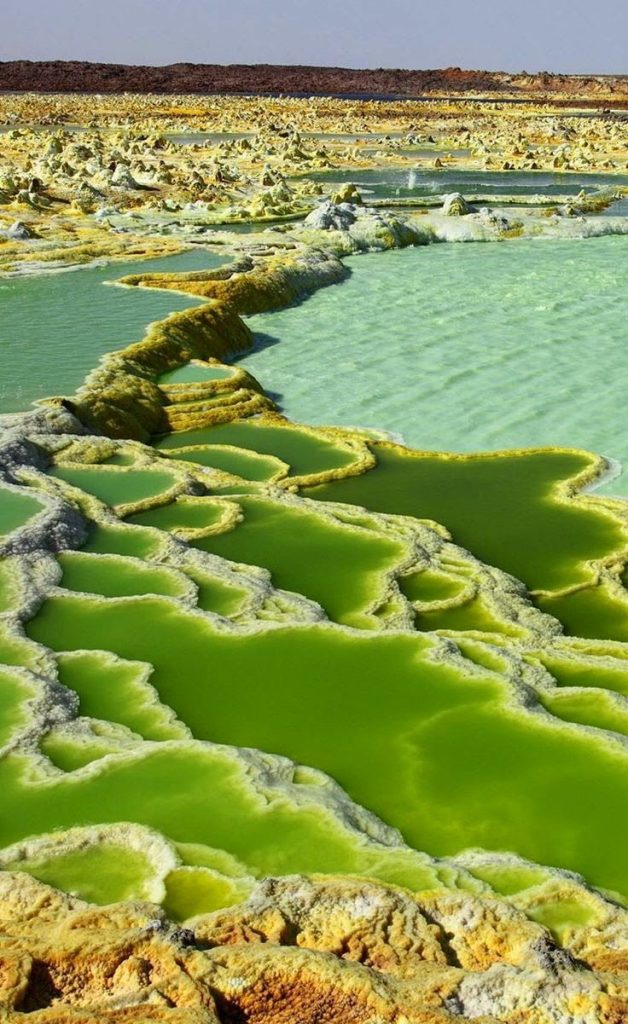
x,y
264,79
306,950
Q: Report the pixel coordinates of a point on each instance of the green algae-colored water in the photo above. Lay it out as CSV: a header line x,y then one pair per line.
x,y
589,709
116,576
9,588
431,735
509,512
103,875
230,459
411,737
499,508
116,691
13,714
15,649
304,452
183,514
588,673
201,795
336,565
15,509
55,327
123,540
116,486
463,347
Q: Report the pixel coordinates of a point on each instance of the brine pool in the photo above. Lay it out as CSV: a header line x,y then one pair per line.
x,y
463,347
55,327
443,342
404,183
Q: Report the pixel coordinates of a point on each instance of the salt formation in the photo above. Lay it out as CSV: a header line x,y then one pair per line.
x,y
276,744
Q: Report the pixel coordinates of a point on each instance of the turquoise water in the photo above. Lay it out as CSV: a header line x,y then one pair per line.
x,y
617,209
194,373
55,327
395,182
463,347
205,138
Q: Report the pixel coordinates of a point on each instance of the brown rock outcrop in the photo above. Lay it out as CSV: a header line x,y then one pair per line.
x,y
265,79
299,951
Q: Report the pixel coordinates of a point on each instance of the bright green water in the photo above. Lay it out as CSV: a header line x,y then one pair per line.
x,y
216,595
70,755
121,459
201,795
498,508
246,464
463,347
509,880
430,585
54,327
590,613
304,452
415,739
15,509
116,691
341,568
116,576
105,874
9,586
429,744
15,649
560,916
476,614
123,540
195,890
183,514
502,509
194,373
13,714
588,673
589,708
116,486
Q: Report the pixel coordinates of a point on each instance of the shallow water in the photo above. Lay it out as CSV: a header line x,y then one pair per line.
x,y
342,569
193,373
462,347
15,509
55,327
116,486
304,452
230,459
395,182
421,752
205,138
437,743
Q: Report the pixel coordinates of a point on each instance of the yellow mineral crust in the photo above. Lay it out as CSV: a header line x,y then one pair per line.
x,y
121,398
300,950
99,177
307,950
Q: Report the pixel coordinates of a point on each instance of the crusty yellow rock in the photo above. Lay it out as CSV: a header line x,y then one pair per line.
x,y
321,950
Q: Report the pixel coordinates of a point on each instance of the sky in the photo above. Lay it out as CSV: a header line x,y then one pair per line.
x,y
568,36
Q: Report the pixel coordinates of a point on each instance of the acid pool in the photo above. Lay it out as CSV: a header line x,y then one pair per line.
x,y
462,347
55,327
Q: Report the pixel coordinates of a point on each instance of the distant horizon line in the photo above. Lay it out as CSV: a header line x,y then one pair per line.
x,y
316,67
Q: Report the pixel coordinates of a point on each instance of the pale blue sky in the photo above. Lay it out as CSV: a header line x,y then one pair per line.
x,y
555,35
